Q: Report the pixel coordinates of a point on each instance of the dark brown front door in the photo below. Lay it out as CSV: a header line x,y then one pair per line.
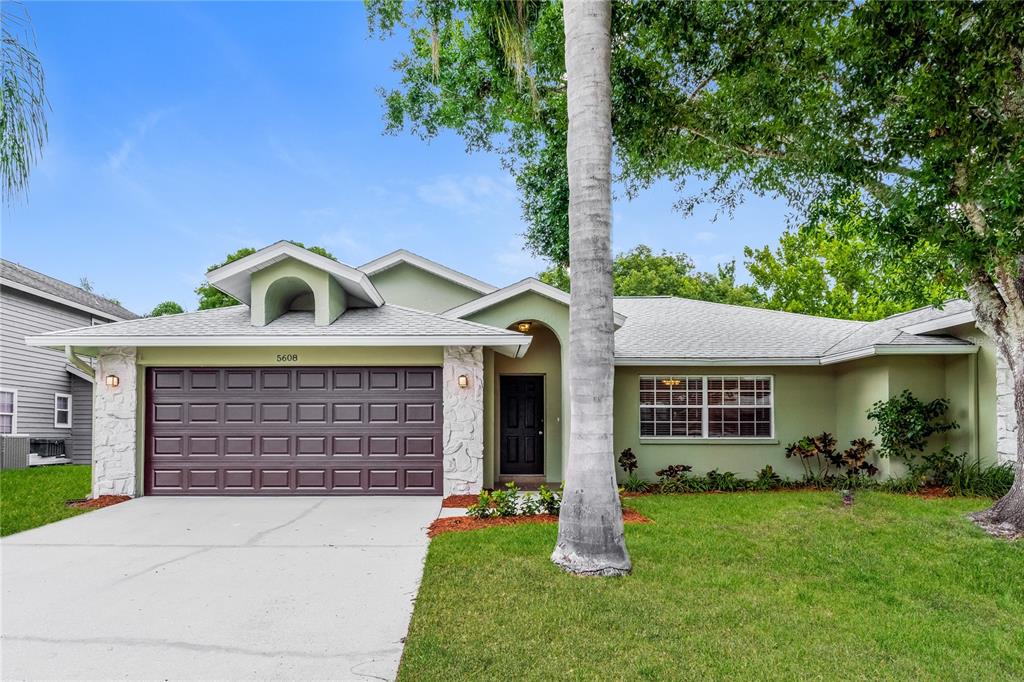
x,y
522,425
293,431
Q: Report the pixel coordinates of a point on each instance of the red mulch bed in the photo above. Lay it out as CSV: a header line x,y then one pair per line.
x,y
932,493
459,501
451,524
99,502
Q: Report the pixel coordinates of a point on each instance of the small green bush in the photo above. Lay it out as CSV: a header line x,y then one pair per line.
x,y
972,479
904,424
767,479
725,482
550,502
482,509
635,484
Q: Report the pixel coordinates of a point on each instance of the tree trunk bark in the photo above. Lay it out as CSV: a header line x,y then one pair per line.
x,y
1009,509
999,313
590,533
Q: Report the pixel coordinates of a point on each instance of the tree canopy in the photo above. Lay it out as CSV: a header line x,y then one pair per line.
x,y
23,101
212,297
166,308
641,272
834,268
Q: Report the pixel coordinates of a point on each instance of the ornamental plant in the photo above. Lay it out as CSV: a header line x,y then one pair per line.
x,y
905,423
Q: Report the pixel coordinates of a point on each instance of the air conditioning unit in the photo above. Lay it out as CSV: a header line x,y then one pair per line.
x,y
14,451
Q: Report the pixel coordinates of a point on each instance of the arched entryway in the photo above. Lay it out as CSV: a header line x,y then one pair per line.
x,y
528,410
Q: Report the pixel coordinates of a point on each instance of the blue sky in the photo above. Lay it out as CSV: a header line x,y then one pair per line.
x,y
180,132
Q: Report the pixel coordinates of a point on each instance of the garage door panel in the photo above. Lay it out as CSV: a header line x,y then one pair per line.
x,y
321,430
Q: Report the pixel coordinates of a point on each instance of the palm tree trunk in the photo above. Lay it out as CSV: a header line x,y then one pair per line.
x,y
590,533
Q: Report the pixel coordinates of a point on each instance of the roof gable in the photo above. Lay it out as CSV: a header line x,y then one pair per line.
x,y
403,256
530,284
235,278
25,279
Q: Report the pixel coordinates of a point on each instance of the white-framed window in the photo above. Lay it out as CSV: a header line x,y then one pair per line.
x,y
61,411
8,410
706,407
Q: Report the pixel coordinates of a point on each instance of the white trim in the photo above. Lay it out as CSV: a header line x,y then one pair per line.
x,y
941,323
856,354
56,410
60,299
96,341
523,286
74,371
14,409
394,258
233,278
705,408
901,349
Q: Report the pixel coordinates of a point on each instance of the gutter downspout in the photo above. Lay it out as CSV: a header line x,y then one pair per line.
x,y
78,362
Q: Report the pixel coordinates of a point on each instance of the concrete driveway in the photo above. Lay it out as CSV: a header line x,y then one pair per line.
x,y
172,588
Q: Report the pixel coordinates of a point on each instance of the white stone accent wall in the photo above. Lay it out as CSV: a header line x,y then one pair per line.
x,y
113,424
463,420
1006,414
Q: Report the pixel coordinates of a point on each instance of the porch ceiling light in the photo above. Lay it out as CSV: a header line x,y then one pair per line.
x,y
524,326
111,381
463,381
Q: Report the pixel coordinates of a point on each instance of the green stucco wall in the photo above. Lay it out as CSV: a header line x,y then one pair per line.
x,y
810,400
276,287
545,356
409,286
804,403
267,357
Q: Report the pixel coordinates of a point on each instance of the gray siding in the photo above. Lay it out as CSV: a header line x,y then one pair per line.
x,y
81,420
38,373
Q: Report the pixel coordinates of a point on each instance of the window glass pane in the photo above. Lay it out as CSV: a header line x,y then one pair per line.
x,y
741,407
646,397
6,423
62,402
6,402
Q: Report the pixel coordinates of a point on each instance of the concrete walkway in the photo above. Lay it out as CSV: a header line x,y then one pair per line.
x,y
242,588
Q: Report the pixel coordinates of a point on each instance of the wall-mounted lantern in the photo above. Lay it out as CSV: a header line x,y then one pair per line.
x,y
463,381
111,381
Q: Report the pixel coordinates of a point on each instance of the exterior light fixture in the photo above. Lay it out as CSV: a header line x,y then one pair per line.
x,y
111,381
524,326
463,381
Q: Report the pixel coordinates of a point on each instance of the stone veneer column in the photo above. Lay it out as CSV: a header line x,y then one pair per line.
x,y
463,420
1006,414
113,424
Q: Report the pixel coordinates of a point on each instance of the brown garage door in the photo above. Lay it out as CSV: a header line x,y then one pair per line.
x,y
293,431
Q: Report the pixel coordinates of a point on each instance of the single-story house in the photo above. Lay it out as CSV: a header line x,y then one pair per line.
x,y
404,376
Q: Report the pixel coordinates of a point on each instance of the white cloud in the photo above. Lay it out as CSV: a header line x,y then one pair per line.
x,y
465,193
704,237
117,158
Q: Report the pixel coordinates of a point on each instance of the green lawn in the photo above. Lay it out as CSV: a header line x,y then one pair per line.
x,y
35,497
739,586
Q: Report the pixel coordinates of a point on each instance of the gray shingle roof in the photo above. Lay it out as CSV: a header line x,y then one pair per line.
x,y
388,320
55,287
683,329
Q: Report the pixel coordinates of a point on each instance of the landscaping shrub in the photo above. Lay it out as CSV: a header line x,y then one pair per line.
x,y
628,461
725,482
973,479
530,505
825,466
767,479
635,484
551,502
506,502
482,509
904,424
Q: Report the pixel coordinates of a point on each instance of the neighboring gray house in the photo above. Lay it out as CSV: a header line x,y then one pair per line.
x,y
42,395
